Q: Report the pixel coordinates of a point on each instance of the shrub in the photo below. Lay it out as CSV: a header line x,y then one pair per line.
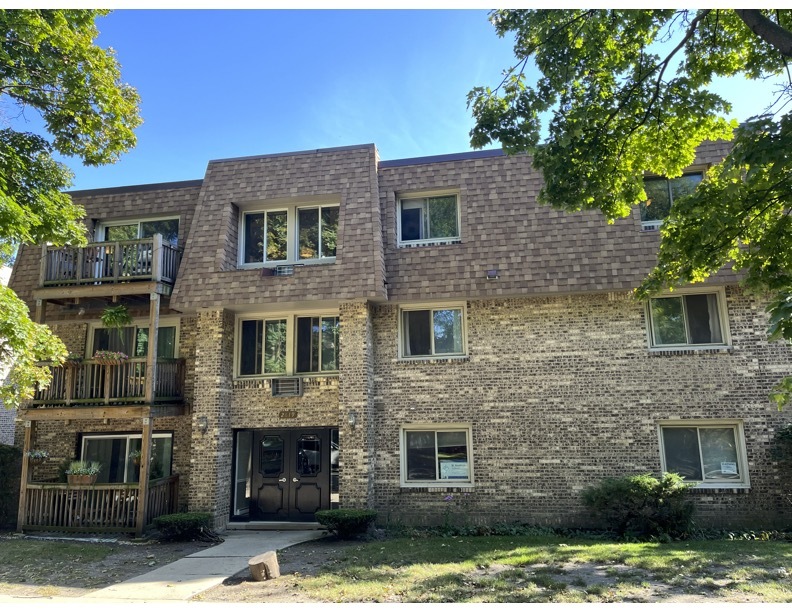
x,y
346,522
184,526
10,469
643,505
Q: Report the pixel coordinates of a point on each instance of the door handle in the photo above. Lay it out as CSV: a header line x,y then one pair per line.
x,y
281,480
295,480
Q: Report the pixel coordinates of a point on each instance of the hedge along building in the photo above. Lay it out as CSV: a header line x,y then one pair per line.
x,y
341,331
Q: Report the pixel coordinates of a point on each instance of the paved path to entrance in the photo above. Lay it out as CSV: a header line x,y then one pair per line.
x,y
200,571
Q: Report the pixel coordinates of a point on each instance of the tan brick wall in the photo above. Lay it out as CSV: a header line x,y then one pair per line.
x,y
210,464
562,392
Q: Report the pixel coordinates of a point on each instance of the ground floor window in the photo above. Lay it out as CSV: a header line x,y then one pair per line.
x,y
711,453
436,454
117,455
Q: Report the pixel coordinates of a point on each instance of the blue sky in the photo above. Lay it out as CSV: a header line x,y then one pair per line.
x,y
218,84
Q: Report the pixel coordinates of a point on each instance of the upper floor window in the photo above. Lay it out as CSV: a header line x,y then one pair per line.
x,y
288,345
133,230
289,235
133,340
689,319
428,332
428,219
661,194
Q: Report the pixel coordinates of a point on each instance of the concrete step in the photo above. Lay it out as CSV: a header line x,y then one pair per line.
x,y
272,526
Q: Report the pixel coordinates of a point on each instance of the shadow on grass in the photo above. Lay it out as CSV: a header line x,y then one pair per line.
x,y
456,569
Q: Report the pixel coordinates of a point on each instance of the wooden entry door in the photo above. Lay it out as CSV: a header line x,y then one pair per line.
x,y
290,474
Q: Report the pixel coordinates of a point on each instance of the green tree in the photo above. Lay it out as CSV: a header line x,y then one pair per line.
x,y
627,92
50,64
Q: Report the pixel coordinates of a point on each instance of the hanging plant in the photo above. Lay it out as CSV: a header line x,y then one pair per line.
x,y
117,318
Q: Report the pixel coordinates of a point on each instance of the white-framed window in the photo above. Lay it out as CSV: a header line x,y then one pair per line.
x,y
430,218
133,339
133,229
695,319
436,454
709,452
299,233
432,331
113,452
661,193
287,344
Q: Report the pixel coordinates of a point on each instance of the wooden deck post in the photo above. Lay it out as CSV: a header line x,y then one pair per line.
x,y
143,488
41,311
151,391
43,265
153,337
30,428
156,258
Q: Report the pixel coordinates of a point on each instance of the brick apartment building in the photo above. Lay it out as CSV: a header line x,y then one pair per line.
x,y
332,329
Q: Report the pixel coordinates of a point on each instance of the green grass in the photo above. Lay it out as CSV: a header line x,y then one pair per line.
x,y
504,569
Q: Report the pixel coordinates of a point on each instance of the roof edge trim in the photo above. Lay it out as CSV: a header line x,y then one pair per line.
x,y
136,188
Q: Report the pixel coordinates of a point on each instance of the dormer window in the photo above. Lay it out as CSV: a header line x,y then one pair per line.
x,y
661,194
427,220
294,234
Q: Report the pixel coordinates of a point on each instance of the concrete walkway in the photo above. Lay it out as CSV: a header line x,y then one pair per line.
x,y
182,579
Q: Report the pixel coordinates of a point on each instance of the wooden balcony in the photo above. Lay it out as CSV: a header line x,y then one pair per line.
x,y
119,390
95,508
125,267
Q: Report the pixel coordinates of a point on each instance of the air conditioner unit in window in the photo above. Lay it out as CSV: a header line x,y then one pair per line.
x,y
651,226
287,387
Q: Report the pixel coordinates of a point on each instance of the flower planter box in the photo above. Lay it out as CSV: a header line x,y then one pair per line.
x,y
109,362
81,479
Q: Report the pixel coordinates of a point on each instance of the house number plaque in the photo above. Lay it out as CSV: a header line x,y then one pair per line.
x,y
287,414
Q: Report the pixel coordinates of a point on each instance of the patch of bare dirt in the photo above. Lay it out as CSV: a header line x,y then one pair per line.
x,y
295,562
75,578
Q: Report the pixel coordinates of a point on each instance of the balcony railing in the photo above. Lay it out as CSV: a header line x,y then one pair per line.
x,y
145,259
91,382
95,508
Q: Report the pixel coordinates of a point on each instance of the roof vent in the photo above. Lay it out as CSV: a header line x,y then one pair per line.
x,y
287,387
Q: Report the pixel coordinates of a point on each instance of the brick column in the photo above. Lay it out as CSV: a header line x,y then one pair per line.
x,y
356,395
210,463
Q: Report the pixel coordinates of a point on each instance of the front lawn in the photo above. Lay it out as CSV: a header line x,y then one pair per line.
x,y
47,568
523,569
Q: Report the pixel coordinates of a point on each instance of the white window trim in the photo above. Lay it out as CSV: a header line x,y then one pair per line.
x,y
435,427
291,342
292,235
428,194
742,454
432,306
723,315
99,230
655,224
128,438
139,322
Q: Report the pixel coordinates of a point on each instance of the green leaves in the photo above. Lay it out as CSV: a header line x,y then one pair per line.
x,y
626,93
49,63
27,343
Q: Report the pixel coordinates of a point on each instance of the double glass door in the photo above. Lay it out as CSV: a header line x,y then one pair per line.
x,y
290,474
